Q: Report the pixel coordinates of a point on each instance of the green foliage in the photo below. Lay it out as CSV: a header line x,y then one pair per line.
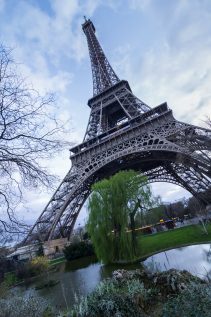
x,y
48,312
4,288
172,293
25,271
173,238
40,264
174,281
10,279
46,284
111,211
57,260
78,250
16,306
194,302
6,265
37,266
113,298
151,216
40,251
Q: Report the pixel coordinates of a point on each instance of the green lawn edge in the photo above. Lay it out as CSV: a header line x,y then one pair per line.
x,y
171,239
150,245
57,261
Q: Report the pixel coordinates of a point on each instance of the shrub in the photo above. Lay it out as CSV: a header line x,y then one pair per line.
x,y
19,306
37,266
6,265
114,298
4,288
78,250
174,281
111,305
25,271
195,301
10,279
40,263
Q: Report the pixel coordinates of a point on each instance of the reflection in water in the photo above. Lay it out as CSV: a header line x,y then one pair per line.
x,y
106,270
79,277
73,283
196,259
78,264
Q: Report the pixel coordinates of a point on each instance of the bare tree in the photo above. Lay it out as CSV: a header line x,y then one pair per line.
x,y
29,133
198,209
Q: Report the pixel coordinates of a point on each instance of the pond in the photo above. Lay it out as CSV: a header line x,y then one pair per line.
x,y
80,277
196,259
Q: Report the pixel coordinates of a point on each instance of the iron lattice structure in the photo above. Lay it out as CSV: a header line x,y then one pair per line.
x,y
124,133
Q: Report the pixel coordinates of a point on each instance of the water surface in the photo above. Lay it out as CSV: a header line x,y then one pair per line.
x,y
80,277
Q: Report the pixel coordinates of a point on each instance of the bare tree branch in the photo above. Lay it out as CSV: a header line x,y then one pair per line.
x,y
29,133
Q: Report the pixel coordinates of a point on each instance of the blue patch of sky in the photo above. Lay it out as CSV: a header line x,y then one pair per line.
x,y
44,5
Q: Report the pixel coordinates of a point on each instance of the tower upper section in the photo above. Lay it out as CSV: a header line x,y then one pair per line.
x,y
102,72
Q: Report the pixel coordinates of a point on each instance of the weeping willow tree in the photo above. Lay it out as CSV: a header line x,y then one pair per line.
x,y
112,206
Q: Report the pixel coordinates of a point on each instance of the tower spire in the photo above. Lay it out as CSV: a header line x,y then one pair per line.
x,y
102,72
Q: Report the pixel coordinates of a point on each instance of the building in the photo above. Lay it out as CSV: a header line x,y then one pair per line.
x,y
25,253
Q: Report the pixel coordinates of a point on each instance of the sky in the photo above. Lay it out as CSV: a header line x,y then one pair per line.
x,y
162,47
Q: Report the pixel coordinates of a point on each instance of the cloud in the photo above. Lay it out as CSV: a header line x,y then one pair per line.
x,y
47,47
169,192
178,81
51,36
171,63
139,4
177,67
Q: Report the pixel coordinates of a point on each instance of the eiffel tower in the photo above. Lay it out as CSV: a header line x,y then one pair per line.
x,y
123,132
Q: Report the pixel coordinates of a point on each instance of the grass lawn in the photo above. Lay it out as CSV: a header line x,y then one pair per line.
x,y
173,238
57,261
151,244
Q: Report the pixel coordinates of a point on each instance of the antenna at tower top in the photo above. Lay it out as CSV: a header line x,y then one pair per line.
x,y
102,72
